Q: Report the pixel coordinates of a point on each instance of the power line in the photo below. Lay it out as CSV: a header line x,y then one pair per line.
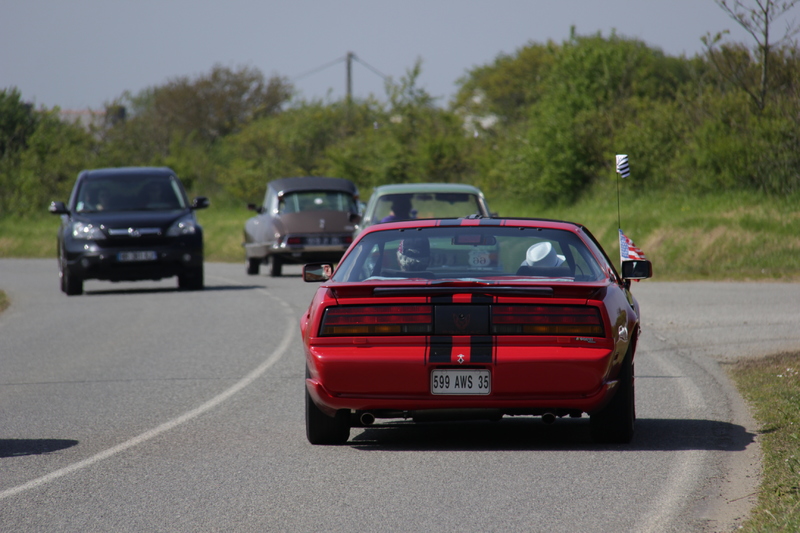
x,y
374,70
323,67
347,58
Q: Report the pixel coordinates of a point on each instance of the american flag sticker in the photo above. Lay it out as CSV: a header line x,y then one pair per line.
x,y
623,169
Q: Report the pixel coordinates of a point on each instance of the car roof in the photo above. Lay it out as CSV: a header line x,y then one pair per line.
x,y
425,187
126,171
313,183
473,221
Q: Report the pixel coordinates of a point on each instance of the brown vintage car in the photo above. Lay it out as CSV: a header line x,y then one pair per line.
x,y
302,220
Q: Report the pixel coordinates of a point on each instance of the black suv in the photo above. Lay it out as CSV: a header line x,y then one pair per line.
x,y
126,224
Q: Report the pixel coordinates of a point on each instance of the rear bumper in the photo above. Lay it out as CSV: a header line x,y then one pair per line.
x,y
330,403
297,254
525,379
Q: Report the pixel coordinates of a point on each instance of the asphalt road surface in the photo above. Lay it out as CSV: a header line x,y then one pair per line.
x,y
136,407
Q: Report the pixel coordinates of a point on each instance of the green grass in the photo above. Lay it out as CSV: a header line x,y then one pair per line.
x,y
727,236
772,388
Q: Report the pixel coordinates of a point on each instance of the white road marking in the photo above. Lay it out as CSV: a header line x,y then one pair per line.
x,y
175,422
684,471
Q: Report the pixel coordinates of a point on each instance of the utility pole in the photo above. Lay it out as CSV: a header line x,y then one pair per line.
x,y
349,76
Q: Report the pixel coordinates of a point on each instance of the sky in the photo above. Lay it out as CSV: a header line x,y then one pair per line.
x,y
83,54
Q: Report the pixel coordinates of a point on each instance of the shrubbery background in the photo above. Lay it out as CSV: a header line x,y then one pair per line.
x,y
543,124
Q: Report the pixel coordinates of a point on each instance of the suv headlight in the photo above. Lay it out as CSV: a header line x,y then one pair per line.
x,y
89,232
182,226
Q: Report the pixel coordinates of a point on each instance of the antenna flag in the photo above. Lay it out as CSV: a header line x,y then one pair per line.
x,y
622,165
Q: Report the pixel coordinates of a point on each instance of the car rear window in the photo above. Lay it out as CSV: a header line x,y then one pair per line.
x,y
296,202
427,205
470,252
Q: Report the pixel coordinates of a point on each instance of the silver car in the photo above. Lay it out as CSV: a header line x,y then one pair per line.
x,y
302,220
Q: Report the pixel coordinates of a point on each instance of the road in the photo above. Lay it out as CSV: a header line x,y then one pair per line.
x,y
137,407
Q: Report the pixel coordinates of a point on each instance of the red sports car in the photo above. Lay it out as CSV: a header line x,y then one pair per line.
x,y
480,317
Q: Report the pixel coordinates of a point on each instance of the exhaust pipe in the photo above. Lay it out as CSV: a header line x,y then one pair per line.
x,y
548,418
367,419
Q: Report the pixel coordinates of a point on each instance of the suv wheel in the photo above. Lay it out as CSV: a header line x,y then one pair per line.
x,y
191,280
71,284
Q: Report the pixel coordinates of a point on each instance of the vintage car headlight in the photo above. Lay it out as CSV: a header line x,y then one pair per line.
x,y
182,226
89,232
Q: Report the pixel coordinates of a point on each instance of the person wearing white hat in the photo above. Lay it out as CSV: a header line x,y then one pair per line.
x,y
542,254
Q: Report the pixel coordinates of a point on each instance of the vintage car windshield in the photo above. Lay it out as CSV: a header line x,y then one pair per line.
x,y
470,252
407,206
131,193
296,202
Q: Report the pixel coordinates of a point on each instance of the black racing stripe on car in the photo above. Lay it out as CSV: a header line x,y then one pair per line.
x,y
442,299
491,222
480,349
482,299
441,348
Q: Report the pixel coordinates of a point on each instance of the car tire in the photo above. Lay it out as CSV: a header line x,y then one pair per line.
x,y
71,284
323,429
615,422
253,266
191,280
276,266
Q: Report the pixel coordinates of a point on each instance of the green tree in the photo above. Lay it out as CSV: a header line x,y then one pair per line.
x,y
291,143
757,17
412,140
17,122
46,169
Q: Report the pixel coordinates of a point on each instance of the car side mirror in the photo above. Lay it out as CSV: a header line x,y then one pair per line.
x,y
637,269
355,218
201,202
58,208
257,208
317,272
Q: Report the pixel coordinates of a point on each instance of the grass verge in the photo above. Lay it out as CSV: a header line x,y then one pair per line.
x,y
771,386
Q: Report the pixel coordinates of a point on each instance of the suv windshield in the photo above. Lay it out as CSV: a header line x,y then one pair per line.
x,y
470,252
130,193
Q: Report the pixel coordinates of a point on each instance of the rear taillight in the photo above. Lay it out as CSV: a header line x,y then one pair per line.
x,y
377,320
547,320
347,240
293,241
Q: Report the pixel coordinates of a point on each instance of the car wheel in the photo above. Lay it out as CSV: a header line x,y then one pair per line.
x,y
191,280
615,422
71,284
323,429
277,266
61,280
253,265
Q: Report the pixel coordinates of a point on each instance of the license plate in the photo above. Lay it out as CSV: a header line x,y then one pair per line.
x,y
458,381
136,256
322,241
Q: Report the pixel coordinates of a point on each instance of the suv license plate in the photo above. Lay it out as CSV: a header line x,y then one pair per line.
x,y
124,257
466,381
